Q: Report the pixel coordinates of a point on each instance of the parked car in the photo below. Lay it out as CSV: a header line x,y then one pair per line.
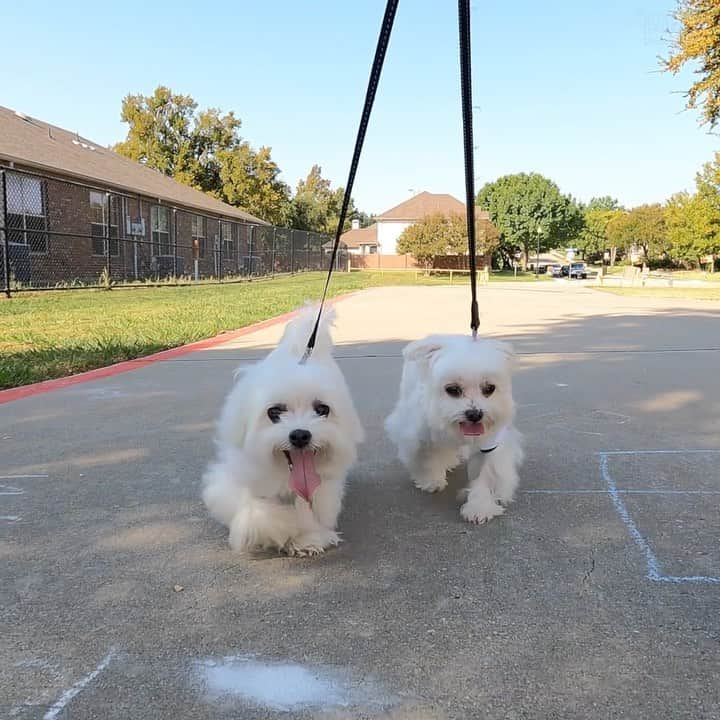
x,y
579,271
555,270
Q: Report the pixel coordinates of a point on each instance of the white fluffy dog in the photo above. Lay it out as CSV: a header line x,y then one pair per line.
x,y
456,406
287,436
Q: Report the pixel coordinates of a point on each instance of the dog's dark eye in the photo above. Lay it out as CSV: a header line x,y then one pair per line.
x,y
488,389
321,408
453,390
275,412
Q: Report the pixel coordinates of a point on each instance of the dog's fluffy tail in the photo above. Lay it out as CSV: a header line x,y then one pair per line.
x,y
298,331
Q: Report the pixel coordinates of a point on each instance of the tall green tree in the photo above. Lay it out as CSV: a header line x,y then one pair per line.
x,y
316,206
203,150
693,228
445,235
606,202
693,220
593,239
644,228
251,179
707,181
696,42
161,129
529,210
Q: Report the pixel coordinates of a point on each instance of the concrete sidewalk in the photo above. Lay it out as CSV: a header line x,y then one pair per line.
x,y
596,595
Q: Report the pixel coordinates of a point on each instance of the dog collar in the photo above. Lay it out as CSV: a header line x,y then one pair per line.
x,y
498,439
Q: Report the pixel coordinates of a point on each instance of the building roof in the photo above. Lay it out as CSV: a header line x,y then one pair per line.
x,y
38,145
424,204
362,236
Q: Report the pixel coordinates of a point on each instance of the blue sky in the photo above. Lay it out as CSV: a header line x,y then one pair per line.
x,y
568,89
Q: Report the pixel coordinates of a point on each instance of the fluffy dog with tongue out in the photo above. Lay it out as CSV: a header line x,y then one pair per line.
x,y
287,436
456,406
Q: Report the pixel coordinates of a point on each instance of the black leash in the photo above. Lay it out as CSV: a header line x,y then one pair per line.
x,y
466,92
380,50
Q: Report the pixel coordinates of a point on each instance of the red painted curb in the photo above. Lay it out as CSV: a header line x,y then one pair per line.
x,y
127,365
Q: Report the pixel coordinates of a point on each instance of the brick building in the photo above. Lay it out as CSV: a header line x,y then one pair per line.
x,y
71,207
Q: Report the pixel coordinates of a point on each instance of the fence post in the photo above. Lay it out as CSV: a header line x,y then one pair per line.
x,y
220,252
175,239
272,271
6,241
251,233
106,232
292,252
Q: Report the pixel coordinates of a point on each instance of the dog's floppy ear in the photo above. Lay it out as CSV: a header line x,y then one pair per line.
x,y
507,351
424,351
235,417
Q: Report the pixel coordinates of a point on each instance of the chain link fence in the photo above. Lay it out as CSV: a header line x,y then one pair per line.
x,y
57,234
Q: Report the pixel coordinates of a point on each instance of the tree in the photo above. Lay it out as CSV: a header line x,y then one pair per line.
x,y
707,181
693,229
694,219
642,227
603,203
528,209
593,239
697,42
434,235
160,134
445,235
251,179
203,150
316,206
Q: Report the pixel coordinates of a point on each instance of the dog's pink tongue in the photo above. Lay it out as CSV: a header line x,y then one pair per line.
x,y
472,429
304,480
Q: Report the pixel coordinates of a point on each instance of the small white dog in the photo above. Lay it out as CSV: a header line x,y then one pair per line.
x,y
287,436
456,406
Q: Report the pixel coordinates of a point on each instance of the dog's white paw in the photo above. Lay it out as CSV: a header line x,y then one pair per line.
x,y
312,543
504,501
430,484
480,513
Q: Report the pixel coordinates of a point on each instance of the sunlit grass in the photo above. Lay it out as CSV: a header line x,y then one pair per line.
x,y
52,334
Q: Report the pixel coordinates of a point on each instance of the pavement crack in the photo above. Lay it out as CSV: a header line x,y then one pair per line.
x,y
589,571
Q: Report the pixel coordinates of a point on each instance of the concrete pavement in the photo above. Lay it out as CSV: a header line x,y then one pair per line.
x,y
596,595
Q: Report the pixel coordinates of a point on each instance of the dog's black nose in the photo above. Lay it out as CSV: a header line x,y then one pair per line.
x,y
474,415
300,438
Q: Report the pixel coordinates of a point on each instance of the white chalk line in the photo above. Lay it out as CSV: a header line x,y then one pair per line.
x,y
653,566
657,452
63,701
10,518
661,491
21,477
11,490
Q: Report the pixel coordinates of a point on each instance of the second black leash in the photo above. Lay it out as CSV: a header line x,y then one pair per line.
x,y
466,93
381,49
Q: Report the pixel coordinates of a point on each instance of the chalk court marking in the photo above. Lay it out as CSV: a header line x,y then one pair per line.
x,y
11,490
63,701
654,570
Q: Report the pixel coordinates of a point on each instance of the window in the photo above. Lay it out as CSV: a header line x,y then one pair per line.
x,y
226,238
160,228
27,212
104,222
198,234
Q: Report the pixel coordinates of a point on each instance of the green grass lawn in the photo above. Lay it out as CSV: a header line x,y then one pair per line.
x,y
52,334
677,274
676,293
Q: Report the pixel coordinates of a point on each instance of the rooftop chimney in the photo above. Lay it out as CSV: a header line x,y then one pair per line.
x,y
355,224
